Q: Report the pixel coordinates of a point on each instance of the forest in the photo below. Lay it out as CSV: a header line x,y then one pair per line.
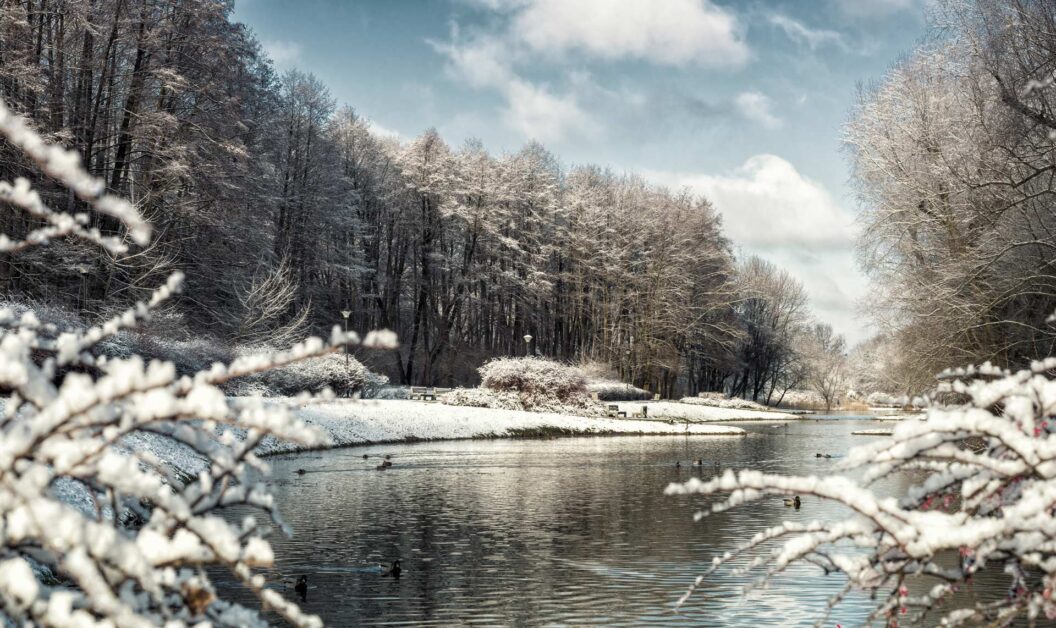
x,y
283,209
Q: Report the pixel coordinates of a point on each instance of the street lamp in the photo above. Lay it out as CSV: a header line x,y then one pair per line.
x,y
345,314
527,343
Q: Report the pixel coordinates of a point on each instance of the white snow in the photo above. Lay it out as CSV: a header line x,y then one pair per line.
x,y
351,422
700,413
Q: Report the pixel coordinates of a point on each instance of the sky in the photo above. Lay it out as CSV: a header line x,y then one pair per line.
x,y
743,102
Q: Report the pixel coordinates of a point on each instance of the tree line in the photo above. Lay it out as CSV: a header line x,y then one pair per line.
x,y
284,209
953,156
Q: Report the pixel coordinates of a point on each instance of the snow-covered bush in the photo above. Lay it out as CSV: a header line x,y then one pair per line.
x,y
881,399
985,500
482,398
610,390
532,376
342,374
734,403
135,555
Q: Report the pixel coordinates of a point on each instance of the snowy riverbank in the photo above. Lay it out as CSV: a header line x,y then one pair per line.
x,y
702,414
361,422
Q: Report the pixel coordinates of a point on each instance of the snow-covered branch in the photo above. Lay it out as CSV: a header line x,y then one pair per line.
x,y
134,556
988,494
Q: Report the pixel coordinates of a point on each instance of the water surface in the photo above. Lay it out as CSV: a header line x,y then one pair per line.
x,y
555,532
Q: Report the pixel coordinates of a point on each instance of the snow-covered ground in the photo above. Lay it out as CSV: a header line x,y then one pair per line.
x,y
700,413
358,422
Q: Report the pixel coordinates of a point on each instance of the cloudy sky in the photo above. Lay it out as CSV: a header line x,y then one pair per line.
x,y
741,101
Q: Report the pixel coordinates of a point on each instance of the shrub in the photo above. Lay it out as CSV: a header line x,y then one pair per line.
x,y
609,390
733,403
533,377
343,375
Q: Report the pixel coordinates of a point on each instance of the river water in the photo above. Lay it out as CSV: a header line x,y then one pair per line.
x,y
554,532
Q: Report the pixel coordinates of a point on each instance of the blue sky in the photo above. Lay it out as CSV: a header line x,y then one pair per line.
x,y
741,101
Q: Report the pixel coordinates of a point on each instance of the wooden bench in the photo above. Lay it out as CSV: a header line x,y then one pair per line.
x,y
427,393
614,411
423,393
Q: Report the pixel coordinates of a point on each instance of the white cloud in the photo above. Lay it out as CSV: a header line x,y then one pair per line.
x,y
770,209
531,109
526,32
539,115
674,32
755,106
806,36
875,8
284,54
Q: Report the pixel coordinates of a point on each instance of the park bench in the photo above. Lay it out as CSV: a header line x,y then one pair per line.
x,y
427,393
423,393
614,411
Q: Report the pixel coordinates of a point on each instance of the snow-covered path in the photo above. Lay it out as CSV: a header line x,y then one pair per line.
x,y
360,422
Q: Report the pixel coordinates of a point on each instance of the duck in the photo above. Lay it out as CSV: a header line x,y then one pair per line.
x,y
365,456
382,466
301,472
678,464
302,586
394,570
793,501
699,462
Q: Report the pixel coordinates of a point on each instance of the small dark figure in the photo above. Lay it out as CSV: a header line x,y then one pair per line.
x,y
818,456
302,587
394,570
388,457
365,456
678,464
699,462
301,472
382,466
796,501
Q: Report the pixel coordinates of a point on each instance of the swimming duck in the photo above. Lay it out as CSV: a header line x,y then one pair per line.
x,y
365,456
793,501
394,570
301,472
382,466
302,586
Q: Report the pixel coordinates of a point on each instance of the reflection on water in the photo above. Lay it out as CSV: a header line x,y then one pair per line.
x,y
570,531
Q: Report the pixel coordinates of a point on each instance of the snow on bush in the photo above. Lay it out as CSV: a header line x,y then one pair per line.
x,y
530,383
344,375
532,376
985,500
881,399
133,554
610,390
482,398
723,402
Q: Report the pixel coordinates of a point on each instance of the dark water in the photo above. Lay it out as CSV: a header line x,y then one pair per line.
x,y
571,531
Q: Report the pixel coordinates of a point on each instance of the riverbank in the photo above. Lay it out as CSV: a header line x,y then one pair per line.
x,y
696,413
350,423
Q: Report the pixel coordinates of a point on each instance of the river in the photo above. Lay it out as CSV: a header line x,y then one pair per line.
x,y
551,532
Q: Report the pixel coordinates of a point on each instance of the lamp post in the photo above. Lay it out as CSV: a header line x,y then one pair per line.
x,y
345,314
527,344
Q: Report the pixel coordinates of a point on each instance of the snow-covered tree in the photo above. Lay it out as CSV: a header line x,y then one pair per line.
x,y
982,496
123,537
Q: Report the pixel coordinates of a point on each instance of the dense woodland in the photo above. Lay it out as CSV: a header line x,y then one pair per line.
x,y
283,209
954,153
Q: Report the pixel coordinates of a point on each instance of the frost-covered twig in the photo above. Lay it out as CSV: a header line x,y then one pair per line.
x,y
134,556
993,504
